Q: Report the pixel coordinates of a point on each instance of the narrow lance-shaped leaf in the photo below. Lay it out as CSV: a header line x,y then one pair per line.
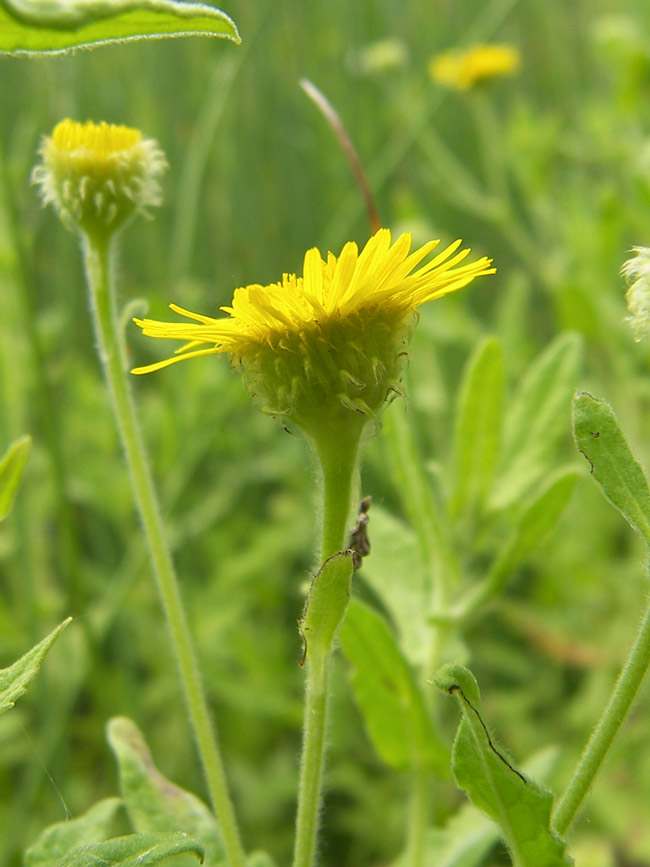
x,y
538,418
619,474
11,470
521,807
539,515
152,801
134,850
57,840
14,680
59,25
392,705
478,427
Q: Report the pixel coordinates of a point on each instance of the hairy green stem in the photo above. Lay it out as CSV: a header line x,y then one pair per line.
x,y
97,257
613,717
337,452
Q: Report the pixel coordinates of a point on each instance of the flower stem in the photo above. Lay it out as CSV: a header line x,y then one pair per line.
x,y
97,257
338,456
614,715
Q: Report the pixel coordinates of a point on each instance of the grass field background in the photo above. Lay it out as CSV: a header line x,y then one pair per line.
x,y
548,172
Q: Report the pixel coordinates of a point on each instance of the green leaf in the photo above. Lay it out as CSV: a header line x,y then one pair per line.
x,y
57,840
538,418
619,474
521,807
327,602
396,573
392,705
469,834
134,850
478,427
58,25
539,515
155,804
11,470
14,680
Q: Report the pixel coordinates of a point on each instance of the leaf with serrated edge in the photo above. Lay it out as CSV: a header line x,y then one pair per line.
x,y
392,705
152,801
619,474
57,840
11,470
521,807
59,25
14,680
134,850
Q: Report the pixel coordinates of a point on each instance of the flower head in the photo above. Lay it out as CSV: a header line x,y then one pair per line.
x,y
466,67
98,175
333,339
637,273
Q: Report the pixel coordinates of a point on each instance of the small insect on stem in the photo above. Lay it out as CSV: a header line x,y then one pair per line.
x,y
359,542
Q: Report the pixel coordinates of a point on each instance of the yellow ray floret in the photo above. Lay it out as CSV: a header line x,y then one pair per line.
x,y
382,281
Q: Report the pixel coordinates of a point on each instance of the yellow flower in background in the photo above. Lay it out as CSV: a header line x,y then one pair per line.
x,y
464,68
98,175
331,340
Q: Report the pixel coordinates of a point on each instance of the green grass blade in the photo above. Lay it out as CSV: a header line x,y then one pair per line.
x,y
11,470
14,680
520,806
53,25
619,474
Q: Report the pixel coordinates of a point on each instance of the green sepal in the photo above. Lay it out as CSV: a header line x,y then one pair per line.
x,y
14,680
37,26
11,470
520,806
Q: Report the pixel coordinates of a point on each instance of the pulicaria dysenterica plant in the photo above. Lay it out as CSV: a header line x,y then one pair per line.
x,y
325,351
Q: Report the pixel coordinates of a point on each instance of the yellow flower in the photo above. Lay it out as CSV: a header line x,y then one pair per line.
x,y
463,68
333,339
98,175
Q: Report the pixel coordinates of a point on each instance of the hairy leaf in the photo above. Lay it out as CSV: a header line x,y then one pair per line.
x,y
134,850
14,680
57,840
521,807
619,474
59,25
392,705
155,804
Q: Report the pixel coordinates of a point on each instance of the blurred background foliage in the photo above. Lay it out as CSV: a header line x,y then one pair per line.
x,y
547,171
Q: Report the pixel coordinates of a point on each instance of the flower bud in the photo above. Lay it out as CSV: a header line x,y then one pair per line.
x,y
98,175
